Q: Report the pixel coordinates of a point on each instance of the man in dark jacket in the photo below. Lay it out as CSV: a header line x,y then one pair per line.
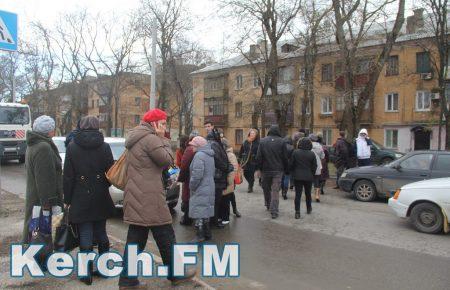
x,y
272,162
223,167
342,149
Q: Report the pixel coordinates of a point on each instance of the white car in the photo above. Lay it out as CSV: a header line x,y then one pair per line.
x,y
426,204
117,147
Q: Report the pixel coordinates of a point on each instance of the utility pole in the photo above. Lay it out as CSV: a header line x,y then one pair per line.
x,y
13,77
153,76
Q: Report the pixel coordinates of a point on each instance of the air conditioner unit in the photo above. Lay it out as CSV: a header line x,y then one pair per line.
x,y
426,76
435,96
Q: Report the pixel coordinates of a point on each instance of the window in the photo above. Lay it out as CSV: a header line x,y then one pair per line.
x,y
137,101
418,162
239,82
307,109
443,163
326,105
239,136
363,66
392,66
256,81
423,101
327,136
391,138
238,109
340,104
137,119
98,103
285,74
302,76
92,104
215,107
391,102
423,62
327,72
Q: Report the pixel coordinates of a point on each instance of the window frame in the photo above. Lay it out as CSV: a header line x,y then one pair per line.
x,y
238,113
327,134
327,75
256,81
420,62
392,66
340,101
137,119
437,161
239,82
422,93
390,144
386,102
137,101
241,136
329,105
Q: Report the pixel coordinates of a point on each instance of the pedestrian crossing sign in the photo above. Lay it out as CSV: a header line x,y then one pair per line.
x,y
8,31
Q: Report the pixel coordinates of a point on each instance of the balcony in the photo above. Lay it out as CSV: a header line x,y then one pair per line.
x,y
270,118
218,93
358,81
217,120
283,89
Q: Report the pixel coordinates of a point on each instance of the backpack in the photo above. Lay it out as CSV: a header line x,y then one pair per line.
x,y
117,174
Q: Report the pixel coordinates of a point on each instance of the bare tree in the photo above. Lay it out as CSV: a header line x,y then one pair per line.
x,y
274,17
354,19
437,26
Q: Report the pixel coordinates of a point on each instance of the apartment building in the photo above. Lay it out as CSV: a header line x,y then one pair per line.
x,y
405,112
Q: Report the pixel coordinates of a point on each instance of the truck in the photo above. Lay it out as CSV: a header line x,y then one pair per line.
x,y
15,121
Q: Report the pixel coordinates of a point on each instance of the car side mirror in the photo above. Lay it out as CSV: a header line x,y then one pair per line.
x,y
397,166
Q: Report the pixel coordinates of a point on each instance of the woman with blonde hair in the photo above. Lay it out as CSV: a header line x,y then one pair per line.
x,y
228,194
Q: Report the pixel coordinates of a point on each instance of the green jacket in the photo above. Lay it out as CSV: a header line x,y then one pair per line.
x,y
44,175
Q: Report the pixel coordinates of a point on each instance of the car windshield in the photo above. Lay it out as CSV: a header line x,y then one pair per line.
x,y
60,145
377,145
117,149
14,115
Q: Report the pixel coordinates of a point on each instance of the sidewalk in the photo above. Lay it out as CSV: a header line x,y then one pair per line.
x,y
11,214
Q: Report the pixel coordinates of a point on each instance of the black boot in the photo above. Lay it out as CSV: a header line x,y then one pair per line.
x,y
185,220
88,279
250,189
199,234
102,248
207,228
297,215
126,283
284,194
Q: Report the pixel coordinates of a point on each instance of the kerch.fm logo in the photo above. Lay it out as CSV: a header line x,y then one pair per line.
x,y
215,263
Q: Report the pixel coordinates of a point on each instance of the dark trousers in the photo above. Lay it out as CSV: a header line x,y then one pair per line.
x,y
233,202
364,162
93,231
225,207
217,205
285,182
299,186
249,175
339,170
271,184
164,237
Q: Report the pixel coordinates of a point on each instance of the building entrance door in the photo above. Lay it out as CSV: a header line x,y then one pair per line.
x,y
422,139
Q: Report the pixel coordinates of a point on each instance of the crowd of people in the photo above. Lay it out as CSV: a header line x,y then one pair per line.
x,y
208,171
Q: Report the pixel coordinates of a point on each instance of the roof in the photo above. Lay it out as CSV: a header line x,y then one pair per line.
x,y
327,45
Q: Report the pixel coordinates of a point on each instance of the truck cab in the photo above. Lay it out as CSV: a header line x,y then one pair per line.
x,y
15,121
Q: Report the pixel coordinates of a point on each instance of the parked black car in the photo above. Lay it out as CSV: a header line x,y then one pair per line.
x,y
380,154
366,183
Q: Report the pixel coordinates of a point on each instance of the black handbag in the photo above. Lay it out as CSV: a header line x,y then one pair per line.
x,y
66,236
38,237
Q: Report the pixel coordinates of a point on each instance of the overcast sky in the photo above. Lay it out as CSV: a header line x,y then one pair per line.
x,y
209,30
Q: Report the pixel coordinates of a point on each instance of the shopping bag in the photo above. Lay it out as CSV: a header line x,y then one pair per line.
x,y
238,176
40,231
117,174
66,237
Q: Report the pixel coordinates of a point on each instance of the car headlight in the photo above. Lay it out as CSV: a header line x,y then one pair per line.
x,y
396,194
344,174
398,155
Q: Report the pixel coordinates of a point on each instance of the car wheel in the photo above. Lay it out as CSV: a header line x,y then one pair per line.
x,y
365,190
386,161
427,218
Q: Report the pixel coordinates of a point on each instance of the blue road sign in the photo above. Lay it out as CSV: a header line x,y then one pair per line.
x,y
8,31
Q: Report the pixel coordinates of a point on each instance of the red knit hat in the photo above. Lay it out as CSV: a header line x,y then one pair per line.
x,y
154,116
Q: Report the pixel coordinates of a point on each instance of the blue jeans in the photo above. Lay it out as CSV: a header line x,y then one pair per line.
x,y
92,231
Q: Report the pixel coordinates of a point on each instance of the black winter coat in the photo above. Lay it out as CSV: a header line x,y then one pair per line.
x,y
86,188
303,163
249,148
272,156
223,166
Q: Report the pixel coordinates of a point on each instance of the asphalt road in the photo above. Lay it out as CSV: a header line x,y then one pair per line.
x,y
343,244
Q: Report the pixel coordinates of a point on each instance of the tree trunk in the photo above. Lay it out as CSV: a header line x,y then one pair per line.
x,y
447,132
